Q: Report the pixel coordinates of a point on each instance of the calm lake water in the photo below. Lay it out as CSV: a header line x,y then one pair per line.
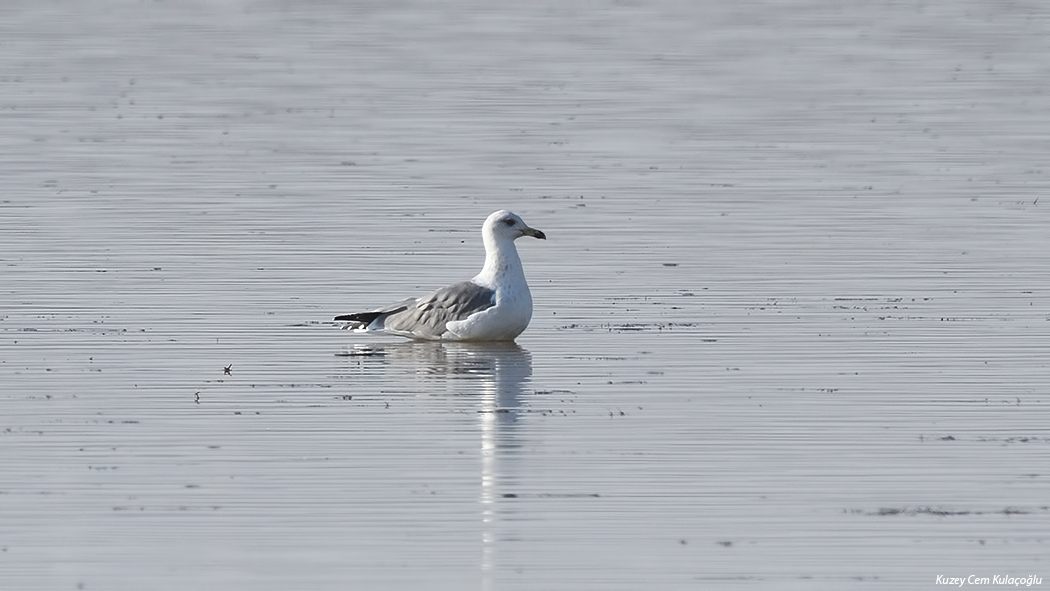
x,y
792,325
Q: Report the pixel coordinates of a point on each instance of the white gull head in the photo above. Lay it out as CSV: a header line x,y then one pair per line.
x,y
499,232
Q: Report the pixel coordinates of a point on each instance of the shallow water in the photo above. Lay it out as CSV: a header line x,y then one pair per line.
x,y
791,325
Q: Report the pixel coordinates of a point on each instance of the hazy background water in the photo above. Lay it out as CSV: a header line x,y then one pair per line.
x,y
791,324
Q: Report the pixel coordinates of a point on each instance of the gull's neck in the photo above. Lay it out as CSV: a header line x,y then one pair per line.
x,y
501,261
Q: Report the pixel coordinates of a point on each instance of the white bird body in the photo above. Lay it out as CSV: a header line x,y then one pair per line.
x,y
495,305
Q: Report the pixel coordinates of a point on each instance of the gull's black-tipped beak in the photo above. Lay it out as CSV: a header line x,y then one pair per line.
x,y
534,233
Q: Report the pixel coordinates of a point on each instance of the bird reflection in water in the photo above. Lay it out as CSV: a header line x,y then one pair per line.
x,y
497,375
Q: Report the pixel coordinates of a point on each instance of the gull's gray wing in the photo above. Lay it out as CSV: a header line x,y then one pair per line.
x,y
427,316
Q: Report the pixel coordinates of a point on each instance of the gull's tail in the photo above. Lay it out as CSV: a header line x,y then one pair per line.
x,y
359,320
365,320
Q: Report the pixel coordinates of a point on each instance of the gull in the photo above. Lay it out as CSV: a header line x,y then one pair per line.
x,y
493,306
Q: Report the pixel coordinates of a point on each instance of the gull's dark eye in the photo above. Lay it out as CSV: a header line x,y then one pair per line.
x,y
509,222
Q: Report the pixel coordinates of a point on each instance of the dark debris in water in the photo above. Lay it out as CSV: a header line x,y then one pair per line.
x,y
306,323
939,512
1018,439
1002,440
656,326
634,327
552,495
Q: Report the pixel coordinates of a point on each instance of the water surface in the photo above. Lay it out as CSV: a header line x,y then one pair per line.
x,y
791,325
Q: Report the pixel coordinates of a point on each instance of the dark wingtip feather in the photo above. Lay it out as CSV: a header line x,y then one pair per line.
x,y
364,318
